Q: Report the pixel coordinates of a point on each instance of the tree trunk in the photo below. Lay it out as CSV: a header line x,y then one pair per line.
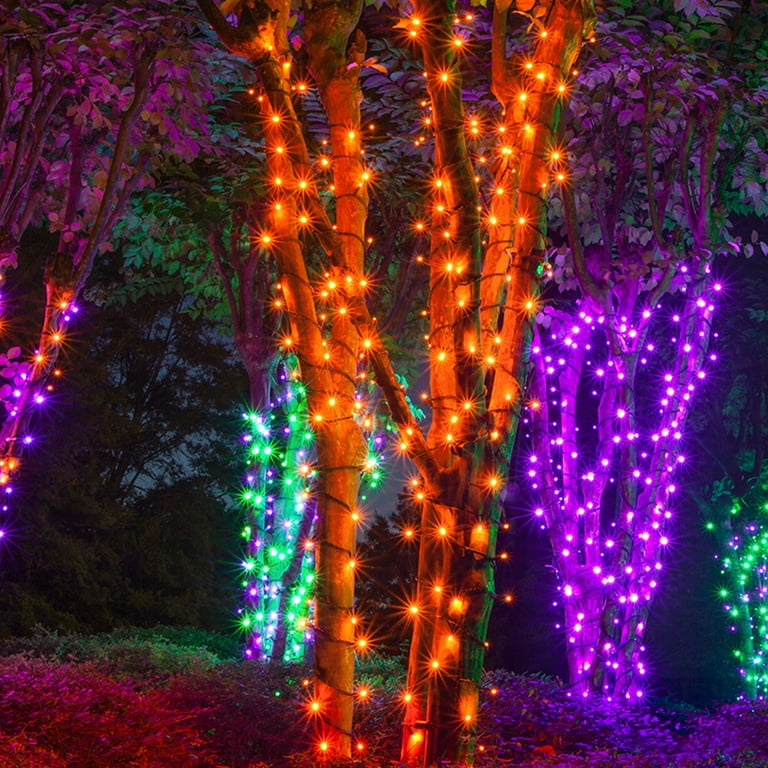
x,y
335,627
340,448
479,320
328,359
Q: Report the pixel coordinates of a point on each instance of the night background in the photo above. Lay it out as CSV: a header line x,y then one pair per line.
x,y
385,383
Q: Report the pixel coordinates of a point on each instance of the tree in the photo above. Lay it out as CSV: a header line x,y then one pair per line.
x,y
125,519
480,305
91,99
225,194
462,466
656,153
227,274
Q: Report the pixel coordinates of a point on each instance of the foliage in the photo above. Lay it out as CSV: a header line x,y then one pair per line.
x,y
246,711
198,224
94,97
125,514
656,138
86,718
57,714
140,654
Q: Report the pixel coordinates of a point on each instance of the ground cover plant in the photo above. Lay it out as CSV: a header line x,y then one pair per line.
x,y
179,698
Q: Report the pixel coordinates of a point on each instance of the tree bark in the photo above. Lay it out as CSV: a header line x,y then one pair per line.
x,y
328,359
479,321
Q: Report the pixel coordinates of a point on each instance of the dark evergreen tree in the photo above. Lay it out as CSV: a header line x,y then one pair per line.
x,y
121,516
386,587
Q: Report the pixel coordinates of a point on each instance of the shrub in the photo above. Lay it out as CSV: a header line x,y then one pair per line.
x,y
188,709
143,655
244,710
71,646
23,751
86,719
733,735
